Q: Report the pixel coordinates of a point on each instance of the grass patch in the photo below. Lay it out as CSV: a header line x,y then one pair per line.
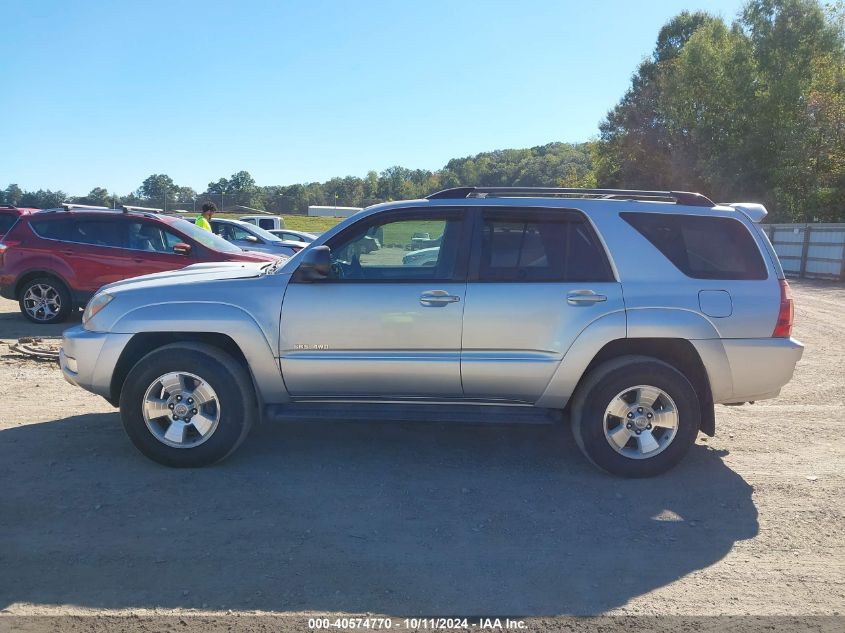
x,y
307,223
398,233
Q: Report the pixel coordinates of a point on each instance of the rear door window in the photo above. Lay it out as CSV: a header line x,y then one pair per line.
x,y
109,232
532,245
702,247
54,229
97,232
266,223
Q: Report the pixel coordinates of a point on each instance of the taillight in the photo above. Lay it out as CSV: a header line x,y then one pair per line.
x,y
4,246
786,314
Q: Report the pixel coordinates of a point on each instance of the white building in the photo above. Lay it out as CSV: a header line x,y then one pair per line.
x,y
333,212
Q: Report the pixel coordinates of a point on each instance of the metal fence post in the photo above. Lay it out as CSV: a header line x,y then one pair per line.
x,y
842,270
805,249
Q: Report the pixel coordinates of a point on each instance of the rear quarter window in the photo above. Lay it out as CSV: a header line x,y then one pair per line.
x,y
53,229
702,247
6,222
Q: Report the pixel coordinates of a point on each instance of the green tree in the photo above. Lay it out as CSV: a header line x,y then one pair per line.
x,y
12,195
634,147
184,197
243,190
98,196
221,186
371,187
43,199
158,189
747,111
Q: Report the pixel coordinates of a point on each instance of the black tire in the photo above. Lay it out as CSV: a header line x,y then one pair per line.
x,y
53,287
225,375
602,385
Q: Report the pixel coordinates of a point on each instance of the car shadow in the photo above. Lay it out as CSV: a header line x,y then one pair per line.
x,y
14,325
402,519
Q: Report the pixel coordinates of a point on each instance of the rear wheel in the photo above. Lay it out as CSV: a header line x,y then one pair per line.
x,y
45,300
187,404
635,416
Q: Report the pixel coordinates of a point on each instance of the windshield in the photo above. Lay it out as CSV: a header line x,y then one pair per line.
x,y
206,238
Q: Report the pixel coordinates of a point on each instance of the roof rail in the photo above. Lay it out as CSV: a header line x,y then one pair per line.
x,y
67,206
127,208
680,197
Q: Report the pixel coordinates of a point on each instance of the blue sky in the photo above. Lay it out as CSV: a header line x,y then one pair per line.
x,y
106,93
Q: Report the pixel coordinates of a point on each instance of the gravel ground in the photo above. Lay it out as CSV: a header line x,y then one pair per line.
x,y
419,518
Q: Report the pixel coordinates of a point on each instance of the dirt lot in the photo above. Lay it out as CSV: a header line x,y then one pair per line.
x,y
426,519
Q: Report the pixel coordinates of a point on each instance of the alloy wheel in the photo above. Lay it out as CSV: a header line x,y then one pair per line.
x,y
42,302
641,422
181,409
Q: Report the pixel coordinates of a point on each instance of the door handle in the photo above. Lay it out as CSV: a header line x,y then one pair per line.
x,y
433,298
584,297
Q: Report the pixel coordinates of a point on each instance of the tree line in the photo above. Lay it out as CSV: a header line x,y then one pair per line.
x,y
751,110
555,164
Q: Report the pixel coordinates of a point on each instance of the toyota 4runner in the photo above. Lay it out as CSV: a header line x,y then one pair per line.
x,y
629,312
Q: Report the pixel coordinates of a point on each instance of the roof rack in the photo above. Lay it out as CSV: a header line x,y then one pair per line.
x,y
67,206
127,208
70,206
680,197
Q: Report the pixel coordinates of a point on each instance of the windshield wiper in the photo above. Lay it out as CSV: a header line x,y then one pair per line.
x,y
272,267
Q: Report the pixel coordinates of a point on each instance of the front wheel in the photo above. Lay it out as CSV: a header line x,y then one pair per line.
x,y
635,416
187,404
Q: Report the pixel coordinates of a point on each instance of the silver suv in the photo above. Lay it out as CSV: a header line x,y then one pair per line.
x,y
628,312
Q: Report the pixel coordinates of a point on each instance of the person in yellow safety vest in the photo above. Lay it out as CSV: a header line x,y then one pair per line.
x,y
204,219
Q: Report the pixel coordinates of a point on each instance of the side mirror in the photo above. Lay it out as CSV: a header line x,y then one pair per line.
x,y
251,239
315,265
180,248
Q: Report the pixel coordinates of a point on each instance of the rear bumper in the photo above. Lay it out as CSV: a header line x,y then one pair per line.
x,y
7,290
760,367
88,358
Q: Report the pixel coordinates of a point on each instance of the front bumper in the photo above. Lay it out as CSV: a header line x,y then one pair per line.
x,y
88,358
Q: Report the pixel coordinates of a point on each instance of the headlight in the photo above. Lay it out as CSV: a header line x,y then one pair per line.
x,y
96,304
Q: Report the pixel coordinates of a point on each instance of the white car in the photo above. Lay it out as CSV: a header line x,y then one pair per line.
x,y
266,222
252,238
422,257
293,236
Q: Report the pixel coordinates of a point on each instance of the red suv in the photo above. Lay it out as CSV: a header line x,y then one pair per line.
x,y
9,215
55,260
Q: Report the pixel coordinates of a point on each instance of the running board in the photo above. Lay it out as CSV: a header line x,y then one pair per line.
x,y
390,412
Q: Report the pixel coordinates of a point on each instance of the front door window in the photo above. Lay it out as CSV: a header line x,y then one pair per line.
x,y
405,249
